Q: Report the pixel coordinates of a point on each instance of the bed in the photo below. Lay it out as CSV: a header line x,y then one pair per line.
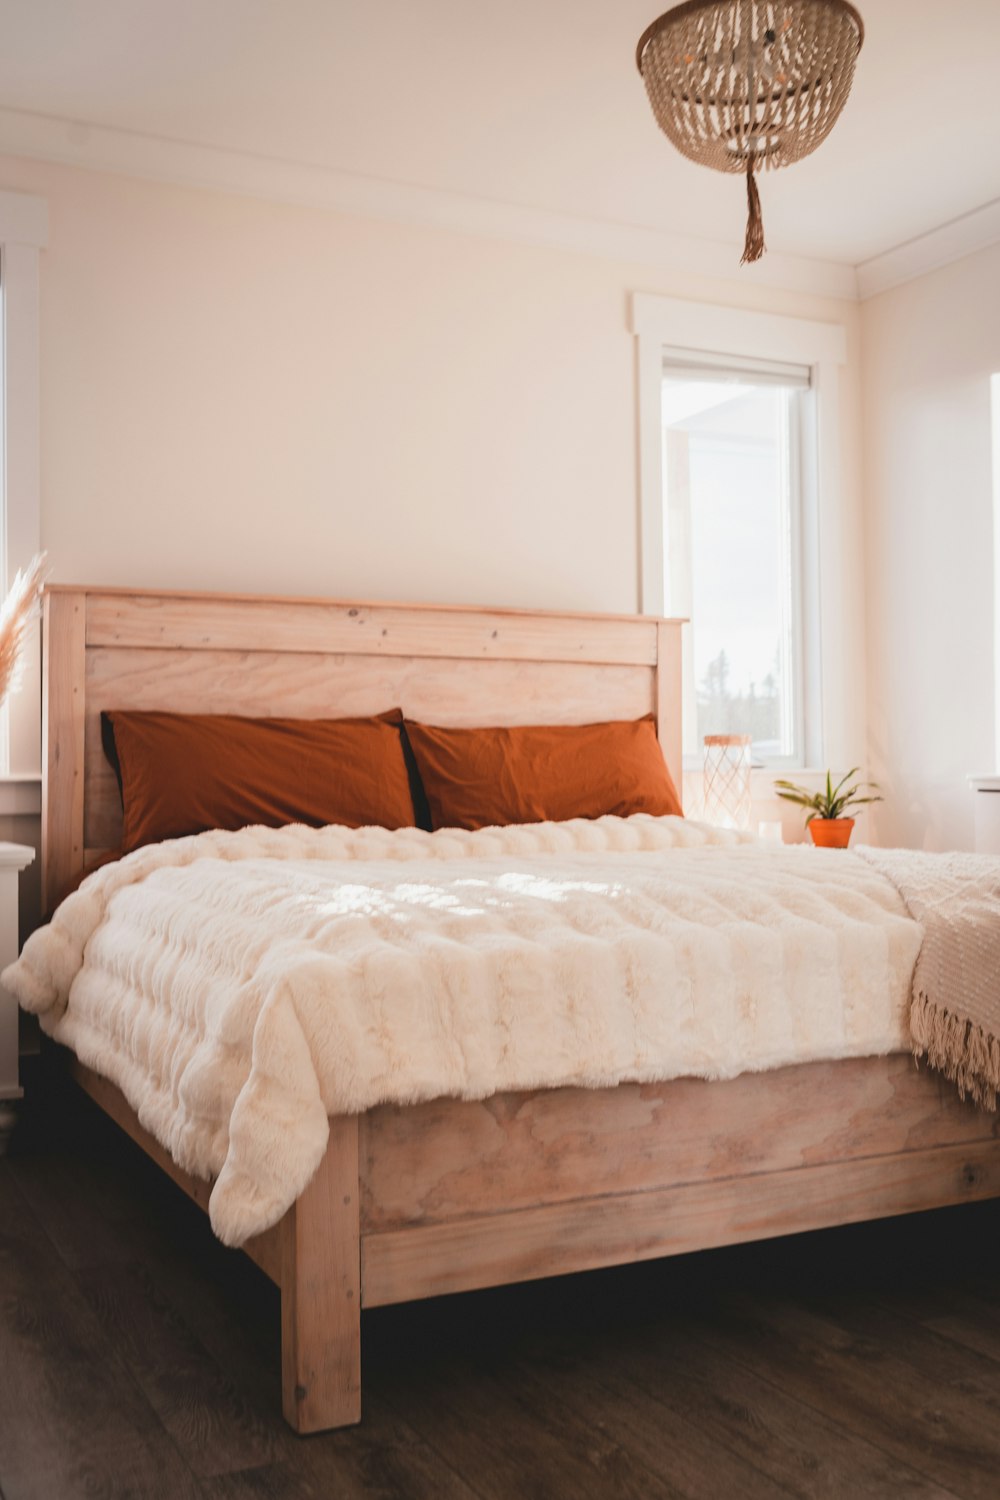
x,y
453,1194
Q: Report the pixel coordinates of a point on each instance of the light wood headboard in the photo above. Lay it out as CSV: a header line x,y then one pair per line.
x,y
216,653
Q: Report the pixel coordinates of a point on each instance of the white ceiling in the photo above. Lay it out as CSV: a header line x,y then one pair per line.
x,y
533,103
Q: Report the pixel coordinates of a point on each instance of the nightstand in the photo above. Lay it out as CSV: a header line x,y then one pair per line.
x,y
13,859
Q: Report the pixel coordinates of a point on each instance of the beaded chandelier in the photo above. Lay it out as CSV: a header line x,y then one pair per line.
x,y
740,85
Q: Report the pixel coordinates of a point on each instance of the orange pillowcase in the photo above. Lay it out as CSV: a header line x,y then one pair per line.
x,y
476,778
185,773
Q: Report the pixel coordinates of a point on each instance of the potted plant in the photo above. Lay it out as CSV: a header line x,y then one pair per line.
x,y
826,822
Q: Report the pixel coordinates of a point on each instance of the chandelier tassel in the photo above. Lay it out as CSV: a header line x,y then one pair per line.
x,y
754,247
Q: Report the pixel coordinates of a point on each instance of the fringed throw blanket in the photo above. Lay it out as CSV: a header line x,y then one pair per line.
x,y
955,1016
239,988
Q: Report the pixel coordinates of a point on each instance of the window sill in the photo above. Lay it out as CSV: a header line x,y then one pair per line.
x,y
20,796
765,804
762,778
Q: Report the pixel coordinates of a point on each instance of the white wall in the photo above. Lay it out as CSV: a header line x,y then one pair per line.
x,y
238,394
244,395
930,347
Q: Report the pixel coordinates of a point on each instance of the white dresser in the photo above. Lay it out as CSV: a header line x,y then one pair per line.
x,y
13,859
987,790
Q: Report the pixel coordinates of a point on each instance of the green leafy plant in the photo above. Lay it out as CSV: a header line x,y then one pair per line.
x,y
834,801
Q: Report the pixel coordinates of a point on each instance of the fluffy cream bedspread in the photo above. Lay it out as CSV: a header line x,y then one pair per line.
x,y
239,988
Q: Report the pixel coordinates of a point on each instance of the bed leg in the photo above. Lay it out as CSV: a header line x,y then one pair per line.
x,y
321,1292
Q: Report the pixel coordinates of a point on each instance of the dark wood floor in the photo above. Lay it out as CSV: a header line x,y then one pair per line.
x,y
140,1358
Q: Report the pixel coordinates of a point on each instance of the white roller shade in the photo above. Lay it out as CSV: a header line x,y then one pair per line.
x,y
693,364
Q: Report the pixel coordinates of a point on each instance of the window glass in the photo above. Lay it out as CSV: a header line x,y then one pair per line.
x,y
732,543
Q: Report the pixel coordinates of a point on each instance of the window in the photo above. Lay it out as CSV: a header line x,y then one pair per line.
x,y
732,440
739,480
23,232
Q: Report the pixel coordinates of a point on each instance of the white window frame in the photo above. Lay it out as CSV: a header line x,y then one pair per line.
x,y
660,323
23,235
677,584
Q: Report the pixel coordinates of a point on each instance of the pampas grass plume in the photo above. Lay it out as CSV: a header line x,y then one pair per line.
x,y
16,615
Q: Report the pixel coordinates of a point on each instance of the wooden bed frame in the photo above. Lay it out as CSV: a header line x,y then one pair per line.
x,y
451,1195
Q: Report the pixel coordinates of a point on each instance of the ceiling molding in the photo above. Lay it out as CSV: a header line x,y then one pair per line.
x,y
98,148
939,247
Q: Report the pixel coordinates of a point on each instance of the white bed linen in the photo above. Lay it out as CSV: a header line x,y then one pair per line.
x,y
239,988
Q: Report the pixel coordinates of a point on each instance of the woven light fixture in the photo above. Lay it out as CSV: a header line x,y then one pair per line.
x,y
743,84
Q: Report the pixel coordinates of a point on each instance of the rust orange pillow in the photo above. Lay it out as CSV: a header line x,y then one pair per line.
x,y
475,778
185,773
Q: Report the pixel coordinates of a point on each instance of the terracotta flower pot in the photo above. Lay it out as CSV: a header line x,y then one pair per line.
x,y
831,833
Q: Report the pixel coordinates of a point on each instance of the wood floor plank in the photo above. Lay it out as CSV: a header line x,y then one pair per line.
x,y
454,1406
689,1416
536,1342
863,1386
64,1432
208,1355
86,1226
955,1297
213,1426
958,1314
687,1455
348,1472
85,1181
796,1447
138,1356
280,1481
197,1324
236,1312
930,1353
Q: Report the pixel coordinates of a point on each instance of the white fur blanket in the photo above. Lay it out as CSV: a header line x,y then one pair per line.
x,y
239,988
